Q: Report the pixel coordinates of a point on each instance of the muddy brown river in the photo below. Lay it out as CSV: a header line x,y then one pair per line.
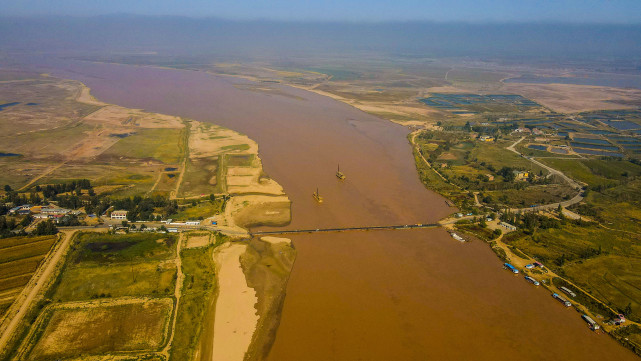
x,y
379,295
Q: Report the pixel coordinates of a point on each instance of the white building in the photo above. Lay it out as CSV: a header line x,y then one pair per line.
x,y
119,215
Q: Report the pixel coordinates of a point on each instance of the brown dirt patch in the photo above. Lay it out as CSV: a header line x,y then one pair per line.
x,y
567,98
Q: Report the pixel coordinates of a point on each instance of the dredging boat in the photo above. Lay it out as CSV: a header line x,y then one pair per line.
x,y
340,174
317,196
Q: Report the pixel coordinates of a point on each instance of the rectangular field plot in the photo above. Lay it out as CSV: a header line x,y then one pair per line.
x,y
74,329
88,282
19,259
96,248
202,177
164,145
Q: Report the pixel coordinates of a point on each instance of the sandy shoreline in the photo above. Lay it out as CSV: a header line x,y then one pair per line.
x,y
236,316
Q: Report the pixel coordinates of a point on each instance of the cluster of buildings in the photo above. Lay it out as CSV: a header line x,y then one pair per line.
x,y
49,211
524,130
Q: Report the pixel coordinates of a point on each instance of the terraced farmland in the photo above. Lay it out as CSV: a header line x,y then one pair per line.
x,y
19,259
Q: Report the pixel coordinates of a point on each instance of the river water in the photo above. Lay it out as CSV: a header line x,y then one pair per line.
x,y
379,295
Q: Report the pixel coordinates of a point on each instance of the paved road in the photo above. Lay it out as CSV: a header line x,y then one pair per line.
x,y
574,184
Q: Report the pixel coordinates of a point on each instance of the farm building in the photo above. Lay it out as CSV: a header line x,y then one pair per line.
x,y
24,207
119,215
508,226
521,175
53,210
522,130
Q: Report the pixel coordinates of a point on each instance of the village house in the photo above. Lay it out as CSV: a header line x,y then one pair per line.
x,y
21,209
522,130
489,177
119,215
52,210
521,175
508,226
486,138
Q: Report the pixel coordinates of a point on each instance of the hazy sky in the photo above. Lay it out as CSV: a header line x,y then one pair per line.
x,y
602,11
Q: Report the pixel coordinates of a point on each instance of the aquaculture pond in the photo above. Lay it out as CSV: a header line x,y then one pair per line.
x,y
631,146
593,146
537,147
622,124
598,152
559,150
454,101
592,141
599,131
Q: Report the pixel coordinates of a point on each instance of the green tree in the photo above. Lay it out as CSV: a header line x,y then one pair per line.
x,y
45,228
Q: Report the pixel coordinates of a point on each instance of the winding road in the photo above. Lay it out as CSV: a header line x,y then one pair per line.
x,y
574,184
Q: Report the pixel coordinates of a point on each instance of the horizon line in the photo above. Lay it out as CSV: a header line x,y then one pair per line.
x,y
320,21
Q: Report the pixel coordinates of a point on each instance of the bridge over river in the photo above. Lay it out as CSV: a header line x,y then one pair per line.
x,y
326,230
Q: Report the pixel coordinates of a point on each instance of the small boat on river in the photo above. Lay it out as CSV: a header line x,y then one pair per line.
x,y
340,174
317,196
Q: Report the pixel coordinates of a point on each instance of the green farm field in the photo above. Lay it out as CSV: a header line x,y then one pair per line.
x,y
164,145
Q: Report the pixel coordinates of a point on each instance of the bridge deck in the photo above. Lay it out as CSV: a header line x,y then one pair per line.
x,y
366,228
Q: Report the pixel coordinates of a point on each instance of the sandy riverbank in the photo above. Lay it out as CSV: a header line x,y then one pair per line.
x,y
236,317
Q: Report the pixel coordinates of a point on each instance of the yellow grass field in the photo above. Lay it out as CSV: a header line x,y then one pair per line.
x,y
94,328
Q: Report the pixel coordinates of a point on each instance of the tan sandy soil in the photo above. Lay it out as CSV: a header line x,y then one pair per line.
x,y
252,209
117,116
208,140
446,89
276,240
197,241
94,144
249,180
393,108
84,96
568,98
236,316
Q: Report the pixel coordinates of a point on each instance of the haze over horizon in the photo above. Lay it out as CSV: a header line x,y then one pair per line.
x,y
473,11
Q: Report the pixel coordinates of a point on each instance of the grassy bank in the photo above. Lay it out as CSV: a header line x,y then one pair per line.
x,y
267,267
